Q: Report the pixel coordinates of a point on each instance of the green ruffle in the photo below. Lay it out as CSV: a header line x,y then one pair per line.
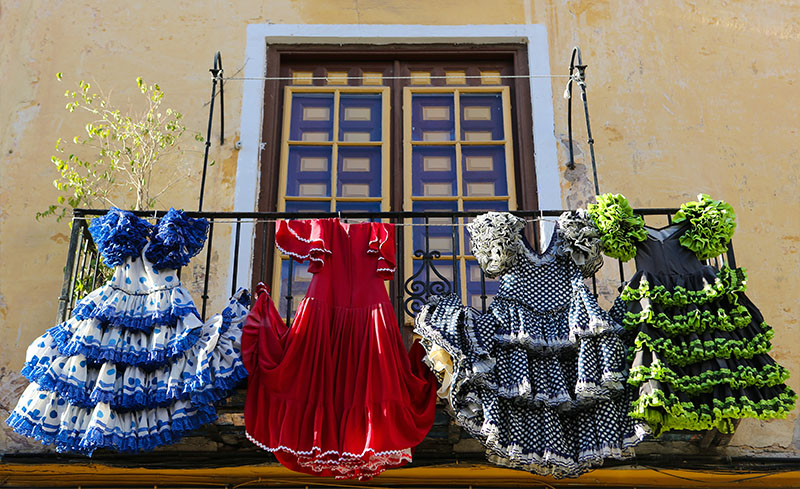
x,y
620,228
686,353
743,376
664,413
729,281
711,226
696,321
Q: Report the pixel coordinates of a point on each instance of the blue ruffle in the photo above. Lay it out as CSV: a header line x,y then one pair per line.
x,y
141,358
176,239
204,387
86,443
168,432
111,317
118,235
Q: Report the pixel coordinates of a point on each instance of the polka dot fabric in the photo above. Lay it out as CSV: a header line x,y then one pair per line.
x,y
134,367
539,378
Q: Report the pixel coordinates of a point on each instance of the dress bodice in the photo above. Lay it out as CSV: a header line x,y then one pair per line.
x,y
661,252
349,261
536,279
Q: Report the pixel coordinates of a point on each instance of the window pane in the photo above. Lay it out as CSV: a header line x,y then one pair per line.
x,y
438,234
484,171
312,117
433,172
359,172
444,269
301,277
432,117
360,118
359,206
481,117
295,206
309,171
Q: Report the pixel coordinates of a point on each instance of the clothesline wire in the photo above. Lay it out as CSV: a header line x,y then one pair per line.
x,y
387,77
245,220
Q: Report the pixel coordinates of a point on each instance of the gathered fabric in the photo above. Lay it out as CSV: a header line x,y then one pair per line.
x,y
699,348
135,367
336,394
539,378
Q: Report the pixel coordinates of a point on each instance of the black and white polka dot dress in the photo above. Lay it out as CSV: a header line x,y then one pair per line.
x,y
539,378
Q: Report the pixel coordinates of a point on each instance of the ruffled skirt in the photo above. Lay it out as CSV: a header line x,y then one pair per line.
x,y
337,394
542,391
699,352
98,384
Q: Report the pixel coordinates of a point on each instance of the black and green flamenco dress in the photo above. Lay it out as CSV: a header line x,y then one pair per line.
x,y
699,346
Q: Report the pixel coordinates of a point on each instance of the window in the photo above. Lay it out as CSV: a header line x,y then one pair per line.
x,y
396,128
458,157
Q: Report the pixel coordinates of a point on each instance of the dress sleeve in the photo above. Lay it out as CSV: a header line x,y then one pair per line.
x,y
581,241
118,235
176,239
619,227
381,243
495,238
711,226
304,240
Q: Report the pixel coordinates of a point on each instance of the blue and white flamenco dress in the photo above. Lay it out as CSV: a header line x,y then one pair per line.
x,y
135,367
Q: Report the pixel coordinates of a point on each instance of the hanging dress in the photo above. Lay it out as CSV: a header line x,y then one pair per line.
x,y
539,379
699,347
336,394
134,367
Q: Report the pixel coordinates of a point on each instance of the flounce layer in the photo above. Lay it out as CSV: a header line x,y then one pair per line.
x,y
205,373
49,418
99,344
760,371
575,443
665,409
703,287
687,349
511,393
141,311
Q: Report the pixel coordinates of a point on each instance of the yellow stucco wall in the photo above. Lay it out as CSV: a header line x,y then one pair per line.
x,y
686,98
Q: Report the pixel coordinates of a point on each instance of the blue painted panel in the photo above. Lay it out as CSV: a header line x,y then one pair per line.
x,y
439,235
420,125
295,206
360,101
371,177
496,176
295,176
298,125
359,206
420,177
493,124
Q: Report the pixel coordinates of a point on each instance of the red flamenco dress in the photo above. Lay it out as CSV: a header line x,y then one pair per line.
x,y
336,394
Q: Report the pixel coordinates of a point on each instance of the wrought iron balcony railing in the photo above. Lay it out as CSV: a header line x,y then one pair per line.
x,y
422,269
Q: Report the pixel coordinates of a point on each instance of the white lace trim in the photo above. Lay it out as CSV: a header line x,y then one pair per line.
x,y
317,451
289,227
303,257
381,243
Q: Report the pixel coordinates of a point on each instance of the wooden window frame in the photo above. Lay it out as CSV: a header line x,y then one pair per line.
x,y
281,55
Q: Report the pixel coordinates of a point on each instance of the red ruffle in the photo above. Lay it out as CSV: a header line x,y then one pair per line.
x,y
381,241
303,240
